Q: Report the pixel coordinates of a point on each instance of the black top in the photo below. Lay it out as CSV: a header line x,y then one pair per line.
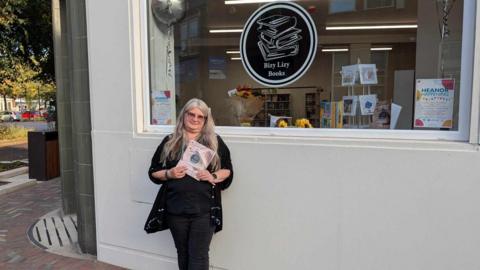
x,y
187,196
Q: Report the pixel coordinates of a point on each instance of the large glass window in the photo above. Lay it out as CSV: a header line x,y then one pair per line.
x,y
378,65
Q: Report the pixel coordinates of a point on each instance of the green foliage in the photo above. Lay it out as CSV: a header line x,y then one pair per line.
x,y
20,80
11,166
26,33
12,132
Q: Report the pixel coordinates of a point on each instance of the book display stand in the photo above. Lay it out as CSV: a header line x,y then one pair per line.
x,y
358,107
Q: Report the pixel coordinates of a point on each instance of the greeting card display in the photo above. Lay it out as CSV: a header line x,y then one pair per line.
x,y
349,75
350,105
367,104
368,74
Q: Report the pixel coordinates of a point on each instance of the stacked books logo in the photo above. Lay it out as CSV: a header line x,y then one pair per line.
x,y
278,43
278,37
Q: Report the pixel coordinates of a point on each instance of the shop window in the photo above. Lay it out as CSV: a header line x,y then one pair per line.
x,y
395,76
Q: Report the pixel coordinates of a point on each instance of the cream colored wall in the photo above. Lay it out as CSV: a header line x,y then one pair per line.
x,y
296,203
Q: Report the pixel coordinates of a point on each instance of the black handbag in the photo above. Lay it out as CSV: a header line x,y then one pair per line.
x,y
156,220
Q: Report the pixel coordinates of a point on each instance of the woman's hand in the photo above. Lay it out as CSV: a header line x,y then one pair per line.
x,y
205,175
176,172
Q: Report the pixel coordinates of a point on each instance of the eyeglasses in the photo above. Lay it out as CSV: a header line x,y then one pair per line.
x,y
195,116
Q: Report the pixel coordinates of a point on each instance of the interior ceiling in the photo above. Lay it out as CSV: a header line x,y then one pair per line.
x,y
235,16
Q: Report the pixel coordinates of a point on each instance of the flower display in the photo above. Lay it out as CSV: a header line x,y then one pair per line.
x,y
245,104
303,123
282,124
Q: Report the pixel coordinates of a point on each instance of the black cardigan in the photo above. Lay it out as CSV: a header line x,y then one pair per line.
x,y
160,200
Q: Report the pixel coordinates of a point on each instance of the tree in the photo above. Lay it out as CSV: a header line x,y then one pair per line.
x,y
26,33
19,80
7,77
48,92
26,50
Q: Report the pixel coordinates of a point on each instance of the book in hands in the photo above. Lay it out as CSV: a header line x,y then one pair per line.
x,y
196,157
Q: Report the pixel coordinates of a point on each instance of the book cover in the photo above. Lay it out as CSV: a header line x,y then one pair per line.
x,y
196,157
339,114
325,114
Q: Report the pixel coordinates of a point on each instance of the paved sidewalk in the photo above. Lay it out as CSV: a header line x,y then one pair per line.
x,y
18,211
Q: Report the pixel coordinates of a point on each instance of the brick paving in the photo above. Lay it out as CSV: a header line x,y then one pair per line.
x,y
18,211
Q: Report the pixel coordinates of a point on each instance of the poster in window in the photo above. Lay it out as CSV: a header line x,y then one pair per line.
x,y
216,68
339,6
161,102
434,103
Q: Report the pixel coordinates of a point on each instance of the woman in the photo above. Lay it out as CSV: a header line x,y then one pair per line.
x,y
193,207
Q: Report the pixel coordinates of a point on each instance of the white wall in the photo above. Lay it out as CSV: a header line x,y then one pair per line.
x,y
295,203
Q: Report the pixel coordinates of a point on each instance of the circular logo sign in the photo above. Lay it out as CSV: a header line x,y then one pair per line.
x,y
278,43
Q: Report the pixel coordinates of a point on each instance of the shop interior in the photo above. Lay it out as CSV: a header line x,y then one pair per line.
x,y
413,39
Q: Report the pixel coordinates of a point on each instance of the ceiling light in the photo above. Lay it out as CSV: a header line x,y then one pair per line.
x,y
233,52
335,50
213,31
370,27
237,2
236,58
381,49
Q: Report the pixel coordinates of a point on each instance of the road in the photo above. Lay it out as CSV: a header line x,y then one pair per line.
x,y
19,150
14,152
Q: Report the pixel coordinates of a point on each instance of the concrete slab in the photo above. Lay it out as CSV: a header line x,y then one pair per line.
x,y
14,172
15,183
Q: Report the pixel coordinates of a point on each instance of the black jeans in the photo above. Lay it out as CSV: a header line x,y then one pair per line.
x,y
192,236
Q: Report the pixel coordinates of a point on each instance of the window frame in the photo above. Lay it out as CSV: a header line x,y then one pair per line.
x,y
467,72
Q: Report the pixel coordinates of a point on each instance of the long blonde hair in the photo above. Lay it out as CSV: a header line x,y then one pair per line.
x,y
173,149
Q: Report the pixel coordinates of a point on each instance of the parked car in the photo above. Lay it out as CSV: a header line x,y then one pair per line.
x,y
30,115
8,116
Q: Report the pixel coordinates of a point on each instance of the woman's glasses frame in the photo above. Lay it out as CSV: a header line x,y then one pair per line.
x,y
193,116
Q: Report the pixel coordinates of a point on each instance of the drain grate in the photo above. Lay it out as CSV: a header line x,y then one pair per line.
x,y
54,232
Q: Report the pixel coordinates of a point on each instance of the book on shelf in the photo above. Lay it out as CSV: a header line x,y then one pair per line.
x,y
331,114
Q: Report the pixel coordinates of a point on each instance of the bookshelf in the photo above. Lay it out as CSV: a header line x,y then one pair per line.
x,y
312,108
275,104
